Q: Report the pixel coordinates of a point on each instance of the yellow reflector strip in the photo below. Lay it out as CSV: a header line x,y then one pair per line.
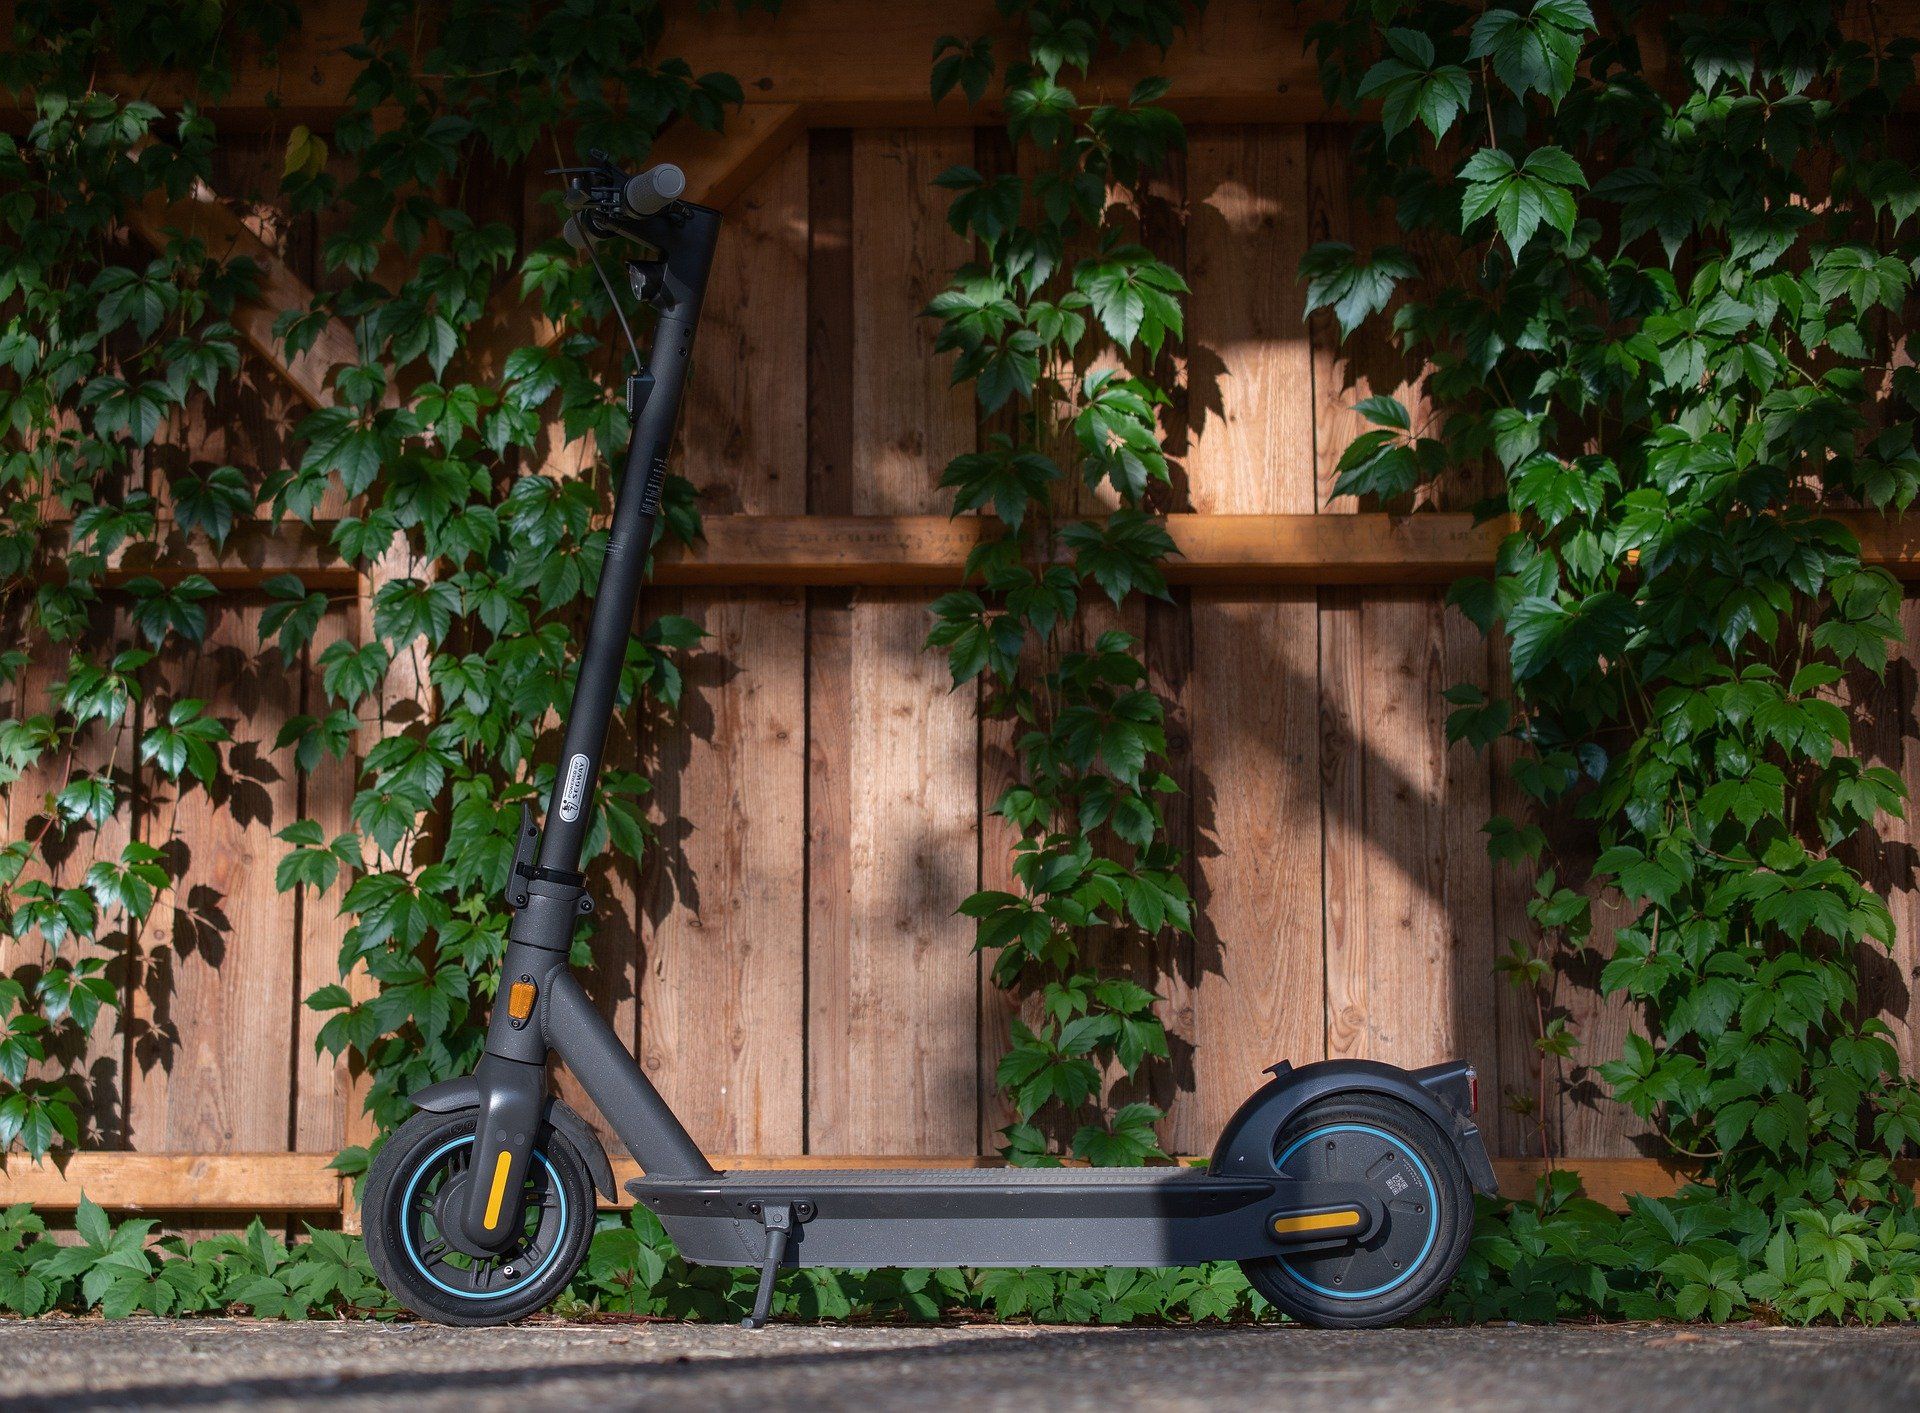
x,y
1313,1221
499,1189
520,999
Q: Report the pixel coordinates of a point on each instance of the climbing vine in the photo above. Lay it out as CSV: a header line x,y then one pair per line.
x,y
1656,266
1057,322
423,471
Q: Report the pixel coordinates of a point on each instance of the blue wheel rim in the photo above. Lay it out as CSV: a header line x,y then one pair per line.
x,y
408,1225
1430,1205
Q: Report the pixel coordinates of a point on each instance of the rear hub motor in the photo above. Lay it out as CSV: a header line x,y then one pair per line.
x,y
1362,1153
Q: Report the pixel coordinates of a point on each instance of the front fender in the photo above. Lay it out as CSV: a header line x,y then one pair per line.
x,y
1438,1091
464,1093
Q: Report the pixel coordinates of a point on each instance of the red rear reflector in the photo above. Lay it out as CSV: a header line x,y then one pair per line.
x,y
1473,1092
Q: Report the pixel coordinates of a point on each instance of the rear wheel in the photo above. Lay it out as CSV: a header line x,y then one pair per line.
x,y
1428,1214
421,1175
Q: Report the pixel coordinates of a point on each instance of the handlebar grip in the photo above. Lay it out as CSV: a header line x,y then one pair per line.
x,y
654,189
576,237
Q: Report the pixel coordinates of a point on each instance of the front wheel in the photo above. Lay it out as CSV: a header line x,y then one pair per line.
x,y
423,1172
1428,1214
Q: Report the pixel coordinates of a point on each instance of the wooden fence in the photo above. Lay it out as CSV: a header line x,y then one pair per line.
x,y
789,965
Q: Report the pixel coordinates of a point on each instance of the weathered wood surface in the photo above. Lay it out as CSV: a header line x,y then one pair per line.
x,y
788,963
723,937
847,62
878,550
891,977
855,63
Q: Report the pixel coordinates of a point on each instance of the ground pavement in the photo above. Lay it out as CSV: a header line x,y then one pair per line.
x,y
66,1365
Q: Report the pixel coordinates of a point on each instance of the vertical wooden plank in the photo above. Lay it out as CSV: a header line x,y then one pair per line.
x,y
1580,1119
830,296
1249,400
908,420
1169,656
1897,875
721,1006
325,1097
1258,983
1410,918
97,1064
249,423
892,1002
1335,390
994,156
1518,1115
1410,912
1345,371
212,1049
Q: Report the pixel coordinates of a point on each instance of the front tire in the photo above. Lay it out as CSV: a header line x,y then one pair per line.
x,y
422,1171
1422,1184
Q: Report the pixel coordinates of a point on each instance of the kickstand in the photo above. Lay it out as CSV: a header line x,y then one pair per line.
x,y
778,1221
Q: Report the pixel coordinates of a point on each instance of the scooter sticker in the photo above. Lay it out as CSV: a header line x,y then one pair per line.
x,y
576,789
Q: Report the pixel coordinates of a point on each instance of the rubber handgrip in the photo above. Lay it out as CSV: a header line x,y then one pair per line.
x,y
654,189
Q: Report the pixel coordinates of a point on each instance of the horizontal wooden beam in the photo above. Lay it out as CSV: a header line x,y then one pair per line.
x,y
931,550
847,62
898,550
176,1182
862,64
303,1182
1212,549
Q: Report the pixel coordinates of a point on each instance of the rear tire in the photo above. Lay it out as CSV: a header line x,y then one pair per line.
x,y
1422,1184
421,1170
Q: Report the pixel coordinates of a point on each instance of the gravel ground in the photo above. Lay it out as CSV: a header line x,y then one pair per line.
x,y
143,1363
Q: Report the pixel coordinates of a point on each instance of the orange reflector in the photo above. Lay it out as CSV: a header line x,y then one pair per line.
x,y
1316,1221
499,1189
520,999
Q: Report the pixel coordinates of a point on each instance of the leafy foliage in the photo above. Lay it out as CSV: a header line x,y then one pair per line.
x,y
631,1268
1704,1254
484,559
120,1269
1669,312
1062,299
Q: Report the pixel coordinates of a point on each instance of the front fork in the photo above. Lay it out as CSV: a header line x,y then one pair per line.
x,y
512,1074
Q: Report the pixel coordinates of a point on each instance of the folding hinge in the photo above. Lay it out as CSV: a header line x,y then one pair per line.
x,y
526,846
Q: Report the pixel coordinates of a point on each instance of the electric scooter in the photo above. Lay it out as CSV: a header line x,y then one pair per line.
x,y
1344,1188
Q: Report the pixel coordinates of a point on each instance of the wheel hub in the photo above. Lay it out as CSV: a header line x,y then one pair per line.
x,y
1387,1256
432,1228
449,1209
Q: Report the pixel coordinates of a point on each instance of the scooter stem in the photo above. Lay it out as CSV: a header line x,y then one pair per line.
x,y
511,1076
629,544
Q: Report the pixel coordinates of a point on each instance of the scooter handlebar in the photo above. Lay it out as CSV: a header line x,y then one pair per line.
x,y
654,189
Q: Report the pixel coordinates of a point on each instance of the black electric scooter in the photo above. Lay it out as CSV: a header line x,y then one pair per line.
x,y
1342,1187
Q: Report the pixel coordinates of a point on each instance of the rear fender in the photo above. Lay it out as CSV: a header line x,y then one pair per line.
x,y
451,1095
1441,1092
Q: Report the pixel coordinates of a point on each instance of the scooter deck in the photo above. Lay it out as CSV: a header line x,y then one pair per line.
x,y
968,1216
